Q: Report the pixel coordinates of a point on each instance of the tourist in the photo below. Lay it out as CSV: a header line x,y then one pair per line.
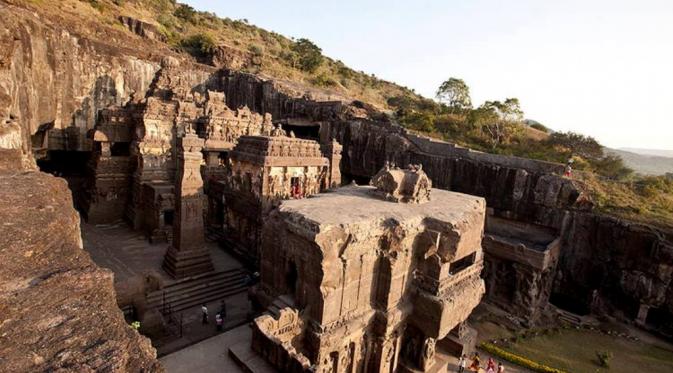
x,y
490,364
501,368
461,363
204,314
476,362
218,322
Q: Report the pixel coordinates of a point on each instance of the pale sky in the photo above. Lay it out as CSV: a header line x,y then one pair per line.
x,y
600,67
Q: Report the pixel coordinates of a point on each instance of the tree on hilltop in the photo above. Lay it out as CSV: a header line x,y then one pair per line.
x,y
455,94
499,121
309,55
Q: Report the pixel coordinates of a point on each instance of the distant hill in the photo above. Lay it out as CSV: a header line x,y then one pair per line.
x,y
654,152
644,163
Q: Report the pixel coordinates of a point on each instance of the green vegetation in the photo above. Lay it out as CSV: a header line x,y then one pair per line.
x,y
199,33
498,127
518,360
198,45
562,350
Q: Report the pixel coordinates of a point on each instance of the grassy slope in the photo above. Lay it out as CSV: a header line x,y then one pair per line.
x,y
575,350
563,351
332,76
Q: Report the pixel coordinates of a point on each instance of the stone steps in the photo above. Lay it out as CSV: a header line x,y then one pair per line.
x,y
197,290
280,303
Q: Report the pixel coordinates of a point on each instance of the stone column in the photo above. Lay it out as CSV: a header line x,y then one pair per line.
x,y
187,254
332,151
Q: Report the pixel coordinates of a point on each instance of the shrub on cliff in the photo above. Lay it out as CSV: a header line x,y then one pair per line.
x,y
198,45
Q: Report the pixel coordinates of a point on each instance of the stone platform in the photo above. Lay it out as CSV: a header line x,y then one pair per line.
x,y
215,355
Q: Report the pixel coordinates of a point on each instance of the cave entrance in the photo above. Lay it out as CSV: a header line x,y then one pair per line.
x,y
169,215
660,319
359,179
569,303
73,167
308,131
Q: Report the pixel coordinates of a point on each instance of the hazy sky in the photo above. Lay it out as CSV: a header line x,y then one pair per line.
x,y
600,67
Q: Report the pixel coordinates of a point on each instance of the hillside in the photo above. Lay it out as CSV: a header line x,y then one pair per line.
x,y
644,164
146,31
227,43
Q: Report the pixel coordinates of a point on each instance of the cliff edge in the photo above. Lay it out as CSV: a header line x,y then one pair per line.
x,y
57,308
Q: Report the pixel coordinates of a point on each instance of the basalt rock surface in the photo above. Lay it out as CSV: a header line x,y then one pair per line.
x,y
57,308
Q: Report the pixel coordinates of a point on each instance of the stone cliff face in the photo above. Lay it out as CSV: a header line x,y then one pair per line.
x,y
51,71
55,71
57,308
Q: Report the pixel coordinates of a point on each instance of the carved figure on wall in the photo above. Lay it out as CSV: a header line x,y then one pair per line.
x,y
428,353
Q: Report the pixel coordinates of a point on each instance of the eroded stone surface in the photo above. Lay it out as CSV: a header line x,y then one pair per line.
x,y
57,308
363,282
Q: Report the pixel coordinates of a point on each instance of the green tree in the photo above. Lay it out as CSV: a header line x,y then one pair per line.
x,y
498,121
185,13
455,94
584,146
309,55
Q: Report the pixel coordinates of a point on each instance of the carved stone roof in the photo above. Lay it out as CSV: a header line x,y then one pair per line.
x,y
410,185
278,151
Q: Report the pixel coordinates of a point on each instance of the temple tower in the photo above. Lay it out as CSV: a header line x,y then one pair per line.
x,y
187,254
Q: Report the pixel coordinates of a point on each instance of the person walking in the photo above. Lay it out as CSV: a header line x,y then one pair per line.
x,y
461,363
204,314
476,362
491,364
501,368
218,322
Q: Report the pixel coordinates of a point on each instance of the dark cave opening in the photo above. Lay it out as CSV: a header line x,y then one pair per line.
x,y
308,132
70,165
569,303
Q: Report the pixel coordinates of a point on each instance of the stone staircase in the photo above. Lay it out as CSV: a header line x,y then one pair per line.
x,y
196,290
569,318
280,303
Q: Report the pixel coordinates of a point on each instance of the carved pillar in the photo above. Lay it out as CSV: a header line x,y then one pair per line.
x,y
187,254
332,151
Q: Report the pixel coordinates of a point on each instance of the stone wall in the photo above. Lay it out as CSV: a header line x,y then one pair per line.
x,y
57,308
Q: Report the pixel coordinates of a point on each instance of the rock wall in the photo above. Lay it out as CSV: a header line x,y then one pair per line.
x,y
51,72
57,308
606,264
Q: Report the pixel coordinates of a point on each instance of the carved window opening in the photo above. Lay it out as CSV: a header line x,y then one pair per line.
x,y
334,356
383,279
168,217
462,264
223,156
291,278
120,149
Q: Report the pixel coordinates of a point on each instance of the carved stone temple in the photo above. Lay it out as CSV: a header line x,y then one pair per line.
x,y
356,280
187,254
261,172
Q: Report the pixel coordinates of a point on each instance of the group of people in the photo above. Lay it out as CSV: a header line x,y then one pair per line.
x,y
219,317
476,365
